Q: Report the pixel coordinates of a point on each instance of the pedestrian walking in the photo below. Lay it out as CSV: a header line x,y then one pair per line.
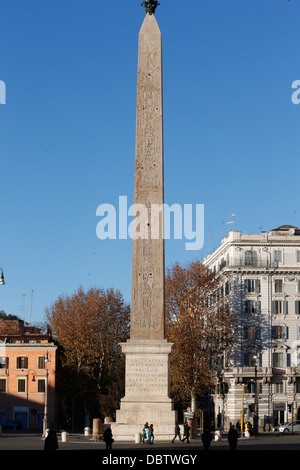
x,y
51,442
177,433
108,438
233,437
186,432
144,434
206,438
151,434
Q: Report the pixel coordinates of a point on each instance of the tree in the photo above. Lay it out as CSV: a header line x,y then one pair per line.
x,y
89,326
9,316
200,324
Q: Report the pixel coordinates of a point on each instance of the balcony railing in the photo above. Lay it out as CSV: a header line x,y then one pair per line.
x,y
238,262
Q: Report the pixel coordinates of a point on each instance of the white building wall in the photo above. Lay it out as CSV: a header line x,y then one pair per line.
x,y
271,261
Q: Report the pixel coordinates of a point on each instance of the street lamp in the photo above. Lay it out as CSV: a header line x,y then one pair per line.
x,y
45,420
2,282
255,418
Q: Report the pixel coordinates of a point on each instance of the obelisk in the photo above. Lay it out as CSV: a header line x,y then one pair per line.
x,y
147,351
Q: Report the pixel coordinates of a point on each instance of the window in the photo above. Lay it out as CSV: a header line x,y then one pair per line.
x,y
281,359
22,362
278,387
41,362
41,385
250,358
3,362
251,332
297,308
250,258
298,285
298,358
298,256
278,359
252,306
21,385
278,256
2,385
278,285
252,285
279,307
279,332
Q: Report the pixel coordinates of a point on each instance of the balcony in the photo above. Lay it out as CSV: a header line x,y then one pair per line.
x,y
245,263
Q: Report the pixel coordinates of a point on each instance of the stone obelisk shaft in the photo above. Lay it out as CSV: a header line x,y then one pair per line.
x,y
147,301
147,368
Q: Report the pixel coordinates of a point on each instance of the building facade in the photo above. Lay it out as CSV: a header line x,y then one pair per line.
x,y
260,275
27,376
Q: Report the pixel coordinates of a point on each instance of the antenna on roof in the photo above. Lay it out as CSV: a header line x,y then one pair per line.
x,y
232,215
31,305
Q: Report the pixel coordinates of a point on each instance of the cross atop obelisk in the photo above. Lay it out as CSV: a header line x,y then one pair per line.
x,y
150,6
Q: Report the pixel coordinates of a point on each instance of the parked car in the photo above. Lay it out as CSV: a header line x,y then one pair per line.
x,y
289,427
12,425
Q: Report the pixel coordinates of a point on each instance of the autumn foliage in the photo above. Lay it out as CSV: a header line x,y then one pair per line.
x,y
200,325
89,326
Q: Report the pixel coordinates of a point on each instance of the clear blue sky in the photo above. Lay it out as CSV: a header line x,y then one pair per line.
x,y
67,131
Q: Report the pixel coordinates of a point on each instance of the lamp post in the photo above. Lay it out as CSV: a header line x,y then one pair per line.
x,y
255,418
2,282
45,420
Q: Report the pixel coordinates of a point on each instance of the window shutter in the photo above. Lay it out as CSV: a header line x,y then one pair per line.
x,y
273,332
273,311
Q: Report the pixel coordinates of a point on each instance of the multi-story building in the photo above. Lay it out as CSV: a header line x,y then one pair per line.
x,y
260,273
27,376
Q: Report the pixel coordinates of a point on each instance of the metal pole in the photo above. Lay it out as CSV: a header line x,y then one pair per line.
x,y
242,412
256,402
45,420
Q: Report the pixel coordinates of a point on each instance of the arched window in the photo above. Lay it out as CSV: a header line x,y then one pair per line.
x,y
250,258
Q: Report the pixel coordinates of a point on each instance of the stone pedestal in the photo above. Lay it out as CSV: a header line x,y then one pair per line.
x,y
146,391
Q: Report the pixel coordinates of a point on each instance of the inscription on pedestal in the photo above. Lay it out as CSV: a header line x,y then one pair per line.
x,y
146,375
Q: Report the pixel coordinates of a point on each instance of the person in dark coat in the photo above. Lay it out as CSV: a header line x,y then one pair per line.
x,y
108,438
177,433
186,432
51,442
206,439
232,437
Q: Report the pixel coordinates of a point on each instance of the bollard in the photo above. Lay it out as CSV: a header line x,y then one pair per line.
x,y
97,428
218,435
87,431
64,436
137,437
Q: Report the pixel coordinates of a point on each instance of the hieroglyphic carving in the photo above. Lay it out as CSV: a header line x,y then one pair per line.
x,y
147,318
